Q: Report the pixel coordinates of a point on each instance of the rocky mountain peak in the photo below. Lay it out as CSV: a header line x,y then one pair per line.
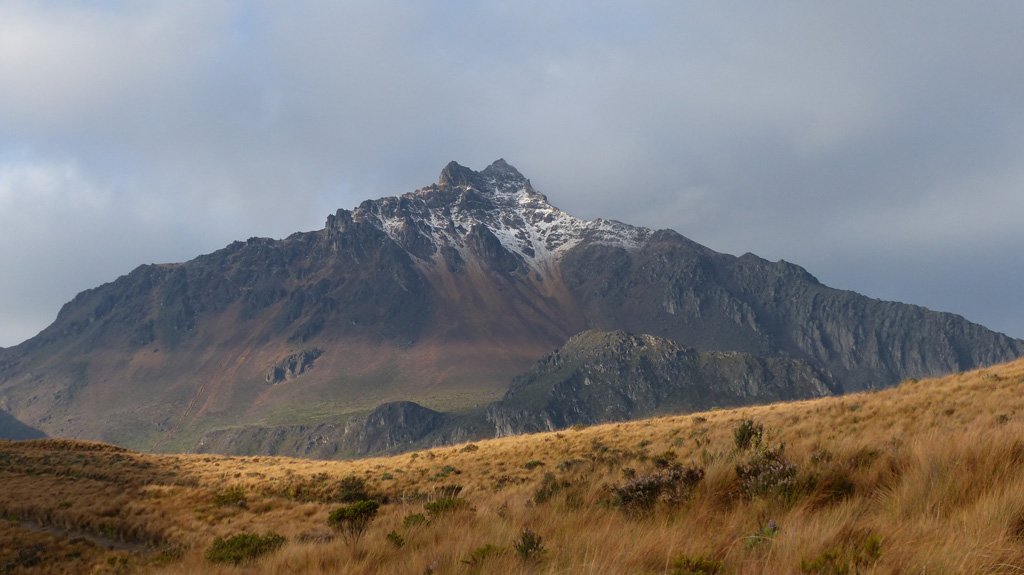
x,y
458,175
496,210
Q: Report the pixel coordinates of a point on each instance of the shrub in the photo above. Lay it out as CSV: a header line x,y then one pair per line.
x,y
549,485
445,472
529,545
748,434
664,460
481,554
395,539
414,520
469,448
766,472
684,565
445,505
243,548
452,490
533,463
352,489
353,520
639,495
231,497
570,465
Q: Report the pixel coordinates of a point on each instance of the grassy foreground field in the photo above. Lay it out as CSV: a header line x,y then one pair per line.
x,y
924,478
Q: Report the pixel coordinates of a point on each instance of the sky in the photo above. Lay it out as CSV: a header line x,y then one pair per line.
x,y
878,144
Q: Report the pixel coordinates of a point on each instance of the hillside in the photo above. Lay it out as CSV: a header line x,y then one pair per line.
x,y
596,377
441,297
927,477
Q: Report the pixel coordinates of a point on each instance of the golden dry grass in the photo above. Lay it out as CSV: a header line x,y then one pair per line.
x,y
924,478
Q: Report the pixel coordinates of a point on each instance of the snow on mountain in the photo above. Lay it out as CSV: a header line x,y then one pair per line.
x,y
502,200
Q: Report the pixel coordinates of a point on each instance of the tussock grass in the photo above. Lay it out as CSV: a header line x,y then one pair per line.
x,y
924,478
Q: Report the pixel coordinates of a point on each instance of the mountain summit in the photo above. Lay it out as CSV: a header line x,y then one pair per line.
x,y
439,296
494,214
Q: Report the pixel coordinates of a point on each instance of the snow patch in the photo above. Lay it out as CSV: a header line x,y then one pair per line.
x,y
522,220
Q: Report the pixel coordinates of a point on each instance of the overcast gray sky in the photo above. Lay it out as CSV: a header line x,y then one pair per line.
x,y
879,144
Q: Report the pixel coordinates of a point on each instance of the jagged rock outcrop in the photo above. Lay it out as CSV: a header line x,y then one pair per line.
x,y
440,295
293,366
599,377
395,424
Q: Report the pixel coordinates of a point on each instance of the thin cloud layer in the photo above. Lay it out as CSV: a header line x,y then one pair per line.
x,y
879,144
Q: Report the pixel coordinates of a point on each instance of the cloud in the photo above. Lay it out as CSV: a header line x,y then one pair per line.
x,y
874,143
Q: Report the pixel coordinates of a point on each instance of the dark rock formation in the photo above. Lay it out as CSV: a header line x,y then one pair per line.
x,y
293,366
600,377
396,424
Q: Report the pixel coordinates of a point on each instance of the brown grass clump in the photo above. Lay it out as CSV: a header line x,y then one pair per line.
x,y
924,478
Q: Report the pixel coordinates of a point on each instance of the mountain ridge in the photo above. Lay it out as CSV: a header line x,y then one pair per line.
x,y
439,296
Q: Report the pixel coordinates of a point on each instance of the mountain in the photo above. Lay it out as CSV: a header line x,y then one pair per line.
x,y
439,296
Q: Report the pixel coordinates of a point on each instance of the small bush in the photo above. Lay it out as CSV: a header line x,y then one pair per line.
x,y
699,565
352,489
570,465
452,490
748,434
395,539
766,472
849,558
664,460
533,463
481,554
548,487
529,545
445,505
414,520
506,480
353,520
639,495
243,548
469,448
231,497
445,472
830,562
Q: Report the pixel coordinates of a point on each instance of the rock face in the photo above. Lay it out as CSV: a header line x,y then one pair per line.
x,y
438,296
600,377
293,366
396,424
